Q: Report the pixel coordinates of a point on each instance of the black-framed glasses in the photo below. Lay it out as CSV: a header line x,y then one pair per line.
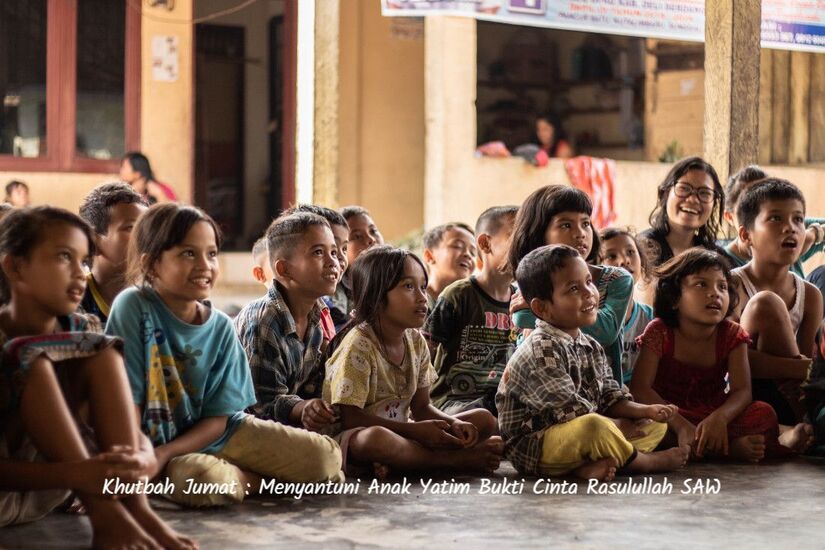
x,y
685,190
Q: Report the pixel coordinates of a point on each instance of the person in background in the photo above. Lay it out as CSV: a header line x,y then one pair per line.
x,y
137,172
17,194
550,137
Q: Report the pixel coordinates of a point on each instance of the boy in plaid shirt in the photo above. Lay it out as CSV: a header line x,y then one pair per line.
x,y
560,410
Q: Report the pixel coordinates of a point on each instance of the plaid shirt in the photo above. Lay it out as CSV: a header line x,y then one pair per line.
x,y
285,370
552,378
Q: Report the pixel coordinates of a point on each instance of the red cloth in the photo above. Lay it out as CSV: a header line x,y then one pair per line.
x,y
595,177
698,391
327,326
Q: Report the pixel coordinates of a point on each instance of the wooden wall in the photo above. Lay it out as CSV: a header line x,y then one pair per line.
x,y
791,108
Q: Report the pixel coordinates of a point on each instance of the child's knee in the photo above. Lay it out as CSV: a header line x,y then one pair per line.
x,y
324,462
482,419
766,308
372,440
595,424
204,480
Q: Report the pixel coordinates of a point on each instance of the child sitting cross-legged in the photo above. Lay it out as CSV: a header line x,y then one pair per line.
x,y
188,373
470,325
781,311
112,209
695,358
58,373
380,376
282,332
560,410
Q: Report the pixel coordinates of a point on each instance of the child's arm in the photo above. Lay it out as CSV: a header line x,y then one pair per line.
x,y
626,408
641,386
430,433
441,326
200,435
811,247
712,432
811,320
88,476
610,318
765,365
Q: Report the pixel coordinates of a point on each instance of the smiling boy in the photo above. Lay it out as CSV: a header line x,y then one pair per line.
x,y
559,406
112,209
469,329
450,254
281,332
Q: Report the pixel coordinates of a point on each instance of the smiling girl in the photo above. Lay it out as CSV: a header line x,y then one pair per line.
x,y
380,376
189,374
688,212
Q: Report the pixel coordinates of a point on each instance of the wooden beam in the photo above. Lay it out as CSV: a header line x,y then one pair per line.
x,y
732,32
325,150
765,105
800,102
817,122
780,122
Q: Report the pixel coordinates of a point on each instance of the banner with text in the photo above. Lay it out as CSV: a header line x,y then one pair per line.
x,y
786,24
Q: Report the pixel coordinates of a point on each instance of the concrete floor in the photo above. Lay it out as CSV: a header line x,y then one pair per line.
x,y
779,505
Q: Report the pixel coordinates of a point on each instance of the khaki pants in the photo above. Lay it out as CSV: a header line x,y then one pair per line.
x,y
592,437
263,447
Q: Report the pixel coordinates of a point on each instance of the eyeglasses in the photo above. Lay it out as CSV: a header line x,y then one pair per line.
x,y
685,190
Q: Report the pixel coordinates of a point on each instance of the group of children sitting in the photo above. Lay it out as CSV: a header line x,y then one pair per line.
x,y
362,357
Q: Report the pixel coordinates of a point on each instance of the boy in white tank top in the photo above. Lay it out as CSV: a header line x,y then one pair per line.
x,y
781,311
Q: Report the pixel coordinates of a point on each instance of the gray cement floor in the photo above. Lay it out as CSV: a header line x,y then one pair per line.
x,y
778,505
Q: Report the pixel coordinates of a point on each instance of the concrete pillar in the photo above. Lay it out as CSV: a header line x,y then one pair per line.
x,y
732,37
450,91
167,117
325,164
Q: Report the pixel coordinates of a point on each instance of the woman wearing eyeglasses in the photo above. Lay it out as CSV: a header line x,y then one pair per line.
x,y
688,213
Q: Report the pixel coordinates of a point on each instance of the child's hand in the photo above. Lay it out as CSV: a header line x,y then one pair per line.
x,y
661,413
466,432
90,475
712,435
316,414
435,434
803,367
517,303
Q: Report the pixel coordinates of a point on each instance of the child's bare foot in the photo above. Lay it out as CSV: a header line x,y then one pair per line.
x,y
484,456
659,461
114,527
380,471
798,438
748,447
603,470
156,527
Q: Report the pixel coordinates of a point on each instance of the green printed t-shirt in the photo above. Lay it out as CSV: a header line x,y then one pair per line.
x,y
474,340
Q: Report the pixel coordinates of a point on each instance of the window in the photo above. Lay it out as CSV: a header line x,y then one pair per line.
x,y
69,80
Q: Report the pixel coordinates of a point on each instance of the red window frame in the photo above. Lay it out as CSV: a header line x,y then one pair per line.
x,y
61,95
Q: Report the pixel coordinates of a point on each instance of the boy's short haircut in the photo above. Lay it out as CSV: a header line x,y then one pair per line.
x,y
332,217
97,206
770,189
535,271
354,210
259,249
491,220
433,237
739,182
284,233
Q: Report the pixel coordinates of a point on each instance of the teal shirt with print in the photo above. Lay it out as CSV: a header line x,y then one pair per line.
x,y
180,373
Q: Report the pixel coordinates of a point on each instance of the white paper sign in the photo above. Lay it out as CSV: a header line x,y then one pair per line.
x,y
165,59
